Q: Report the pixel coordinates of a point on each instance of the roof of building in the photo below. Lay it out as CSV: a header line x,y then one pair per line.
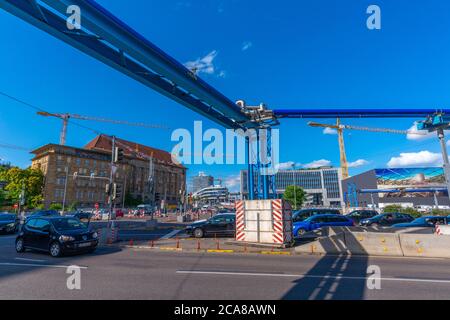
x,y
131,149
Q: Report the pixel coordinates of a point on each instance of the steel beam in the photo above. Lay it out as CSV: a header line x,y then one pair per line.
x,y
109,40
356,113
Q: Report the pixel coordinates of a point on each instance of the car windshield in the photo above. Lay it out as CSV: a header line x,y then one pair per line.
x,y
68,224
4,217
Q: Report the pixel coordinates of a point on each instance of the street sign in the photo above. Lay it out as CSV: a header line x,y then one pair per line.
x,y
96,206
16,205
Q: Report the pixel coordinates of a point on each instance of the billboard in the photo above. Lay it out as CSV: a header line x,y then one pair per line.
x,y
410,178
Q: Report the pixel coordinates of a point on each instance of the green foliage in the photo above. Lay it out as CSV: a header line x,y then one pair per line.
x,y
56,206
72,207
31,180
440,212
295,195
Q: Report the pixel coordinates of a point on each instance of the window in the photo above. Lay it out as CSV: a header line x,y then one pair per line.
x,y
40,224
78,161
218,220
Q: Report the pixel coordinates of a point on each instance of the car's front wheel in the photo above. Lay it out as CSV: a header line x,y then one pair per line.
x,y
19,245
301,232
198,233
55,249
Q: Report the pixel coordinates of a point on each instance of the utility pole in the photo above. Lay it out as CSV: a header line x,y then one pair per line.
x,y
65,189
111,177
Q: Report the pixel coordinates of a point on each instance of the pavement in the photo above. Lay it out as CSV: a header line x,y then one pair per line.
x,y
115,272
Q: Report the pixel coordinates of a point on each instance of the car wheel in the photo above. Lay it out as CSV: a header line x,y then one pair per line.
x,y
92,250
55,249
301,232
19,245
198,233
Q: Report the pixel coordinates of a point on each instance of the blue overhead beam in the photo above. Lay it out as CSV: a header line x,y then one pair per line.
x,y
356,113
106,38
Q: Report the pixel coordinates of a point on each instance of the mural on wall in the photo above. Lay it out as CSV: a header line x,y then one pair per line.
x,y
411,178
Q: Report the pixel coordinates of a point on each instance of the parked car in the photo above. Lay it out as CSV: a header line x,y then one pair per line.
x,y
44,213
358,215
82,215
9,223
320,220
223,224
387,219
423,222
56,235
303,214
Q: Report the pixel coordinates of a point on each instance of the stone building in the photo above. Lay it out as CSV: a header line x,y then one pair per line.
x,y
80,175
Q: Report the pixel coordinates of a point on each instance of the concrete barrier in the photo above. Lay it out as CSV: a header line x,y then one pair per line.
x,y
367,243
108,235
334,244
424,245
442,229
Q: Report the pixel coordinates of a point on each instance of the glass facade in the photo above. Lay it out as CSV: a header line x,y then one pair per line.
x,y
323,185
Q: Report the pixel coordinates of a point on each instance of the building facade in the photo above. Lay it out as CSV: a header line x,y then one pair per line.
x,y
202,181
211,196
408,187
322,185
80,175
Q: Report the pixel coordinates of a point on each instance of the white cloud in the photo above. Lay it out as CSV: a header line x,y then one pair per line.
x,y
448,143
286,165
329,131
246,45
233,183
419,135
317,164
205,64
416,159
358,163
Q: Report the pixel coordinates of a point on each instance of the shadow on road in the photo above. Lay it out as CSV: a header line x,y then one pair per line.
x,y
334,277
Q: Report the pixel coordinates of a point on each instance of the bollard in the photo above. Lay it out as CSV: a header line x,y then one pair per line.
x,y
178,243
198,245
152,243
245,247
131,242
217,243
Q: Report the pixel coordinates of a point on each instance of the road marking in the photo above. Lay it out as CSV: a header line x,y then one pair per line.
x,y
36,265
33,260
171,234
220,251
276,252
170,249
307,276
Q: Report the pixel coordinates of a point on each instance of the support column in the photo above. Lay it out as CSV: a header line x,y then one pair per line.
x,y
446,165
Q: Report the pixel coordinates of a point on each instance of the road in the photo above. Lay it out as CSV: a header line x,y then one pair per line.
x,y
114,273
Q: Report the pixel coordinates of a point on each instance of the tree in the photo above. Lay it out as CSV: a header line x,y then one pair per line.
x,y
56,206
295,195
130,201
30,180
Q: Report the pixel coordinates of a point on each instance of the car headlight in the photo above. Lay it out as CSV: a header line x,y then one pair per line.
x,y
95,235
11,225
365,221
66,238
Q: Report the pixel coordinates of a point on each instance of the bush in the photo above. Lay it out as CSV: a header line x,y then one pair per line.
x,y
56,206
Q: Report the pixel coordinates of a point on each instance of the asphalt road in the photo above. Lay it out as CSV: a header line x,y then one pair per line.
x,y
112,273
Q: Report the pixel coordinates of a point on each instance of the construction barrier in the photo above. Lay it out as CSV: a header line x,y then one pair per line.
x,y
334,244
370,243
264,221
423,245
442,230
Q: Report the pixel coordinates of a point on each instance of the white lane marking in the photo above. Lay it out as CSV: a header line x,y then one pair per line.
x,y
308,276
170,234
27,259
36,265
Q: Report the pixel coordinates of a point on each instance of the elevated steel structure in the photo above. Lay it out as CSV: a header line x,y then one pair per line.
x,y
111,41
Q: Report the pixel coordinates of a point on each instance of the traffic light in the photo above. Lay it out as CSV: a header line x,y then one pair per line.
x,y
118,155
108,189
117,191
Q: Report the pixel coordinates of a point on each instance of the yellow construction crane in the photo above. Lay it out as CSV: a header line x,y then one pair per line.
x,y
340,132
66,116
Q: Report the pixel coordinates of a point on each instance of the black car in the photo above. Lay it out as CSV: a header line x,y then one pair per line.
x,y
44,213
82,215
56,235
223,224
303,214
9,223
358,215
387,219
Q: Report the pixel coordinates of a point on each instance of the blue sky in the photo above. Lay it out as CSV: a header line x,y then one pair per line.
x,y
287,54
